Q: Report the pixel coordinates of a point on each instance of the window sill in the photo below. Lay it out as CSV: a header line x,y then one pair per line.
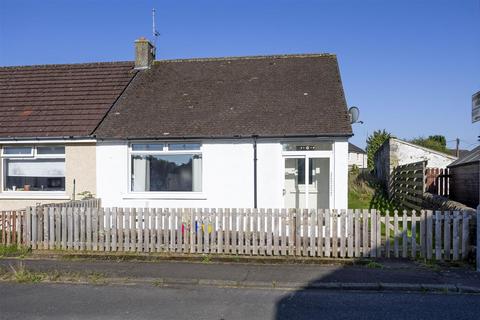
x,y
26,195
165,196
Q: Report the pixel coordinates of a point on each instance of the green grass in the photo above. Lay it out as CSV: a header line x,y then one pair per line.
x,y
374,265
356,201
206,259
22,275
96,278
13,251
364,192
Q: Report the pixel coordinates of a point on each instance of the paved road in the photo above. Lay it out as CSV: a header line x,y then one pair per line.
x,y
74,301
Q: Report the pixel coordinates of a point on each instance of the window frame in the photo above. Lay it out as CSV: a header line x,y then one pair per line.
x,y
130,194
6,155
32,156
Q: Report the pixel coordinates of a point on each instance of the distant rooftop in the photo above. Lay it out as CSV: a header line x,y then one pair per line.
x,y
471,157
354,149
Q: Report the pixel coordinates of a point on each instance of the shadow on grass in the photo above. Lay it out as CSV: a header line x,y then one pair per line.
x,y
365,191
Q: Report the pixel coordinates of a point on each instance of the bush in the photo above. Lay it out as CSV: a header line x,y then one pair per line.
x,y
436,142
374,142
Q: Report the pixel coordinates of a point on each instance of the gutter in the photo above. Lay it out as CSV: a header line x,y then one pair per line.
x,y
166,137
77,139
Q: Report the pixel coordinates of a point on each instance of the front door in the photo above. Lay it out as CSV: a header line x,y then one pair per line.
x,y
307,182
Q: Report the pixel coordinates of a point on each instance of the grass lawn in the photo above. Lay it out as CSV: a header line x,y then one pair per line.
x,y
366,193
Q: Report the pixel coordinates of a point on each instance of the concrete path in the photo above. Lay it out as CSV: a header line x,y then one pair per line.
x,y
391,274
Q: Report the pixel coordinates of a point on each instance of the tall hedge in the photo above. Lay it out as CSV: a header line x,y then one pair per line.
x,y
374,141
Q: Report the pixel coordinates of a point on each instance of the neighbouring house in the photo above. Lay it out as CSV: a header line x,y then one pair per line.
x,y
356,157
47,116
268,131
464,179
395,152
460,153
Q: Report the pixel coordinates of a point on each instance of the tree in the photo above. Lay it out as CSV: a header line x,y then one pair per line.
x,y
436,142
374,141
440,139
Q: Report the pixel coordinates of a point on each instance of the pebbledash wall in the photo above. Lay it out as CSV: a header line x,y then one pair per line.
x,y
80,165
228,179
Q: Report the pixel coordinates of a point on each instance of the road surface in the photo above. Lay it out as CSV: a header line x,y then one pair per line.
x,y
78,301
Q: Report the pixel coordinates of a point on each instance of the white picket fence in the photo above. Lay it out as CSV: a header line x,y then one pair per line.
x,y
276,232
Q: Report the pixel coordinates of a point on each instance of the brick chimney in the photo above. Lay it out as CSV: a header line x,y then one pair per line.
x,y
144,53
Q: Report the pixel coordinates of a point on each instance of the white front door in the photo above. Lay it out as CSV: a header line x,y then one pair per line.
x,y
307,182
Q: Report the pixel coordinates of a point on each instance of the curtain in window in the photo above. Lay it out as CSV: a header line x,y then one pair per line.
x,y
36,168
197,173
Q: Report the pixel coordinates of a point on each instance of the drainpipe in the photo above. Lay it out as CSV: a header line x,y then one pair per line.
x,y
255,171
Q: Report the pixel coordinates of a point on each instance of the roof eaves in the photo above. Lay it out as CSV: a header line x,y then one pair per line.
x,y
167,137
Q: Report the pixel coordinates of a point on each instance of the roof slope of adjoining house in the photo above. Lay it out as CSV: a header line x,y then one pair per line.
x,y
271,96
354,149
59,100
471,157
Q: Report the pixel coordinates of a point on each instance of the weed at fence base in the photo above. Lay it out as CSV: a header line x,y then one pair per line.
x,y
13,250
22,275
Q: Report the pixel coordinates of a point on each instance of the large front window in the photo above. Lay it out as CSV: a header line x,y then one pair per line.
x,y
166,167
29,168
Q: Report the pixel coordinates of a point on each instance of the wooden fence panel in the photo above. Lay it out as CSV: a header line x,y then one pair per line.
x,y
330,233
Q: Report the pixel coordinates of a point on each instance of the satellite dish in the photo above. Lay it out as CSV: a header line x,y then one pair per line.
x,y
354,113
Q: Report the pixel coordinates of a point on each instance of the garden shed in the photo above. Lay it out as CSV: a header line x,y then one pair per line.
x,y
464,179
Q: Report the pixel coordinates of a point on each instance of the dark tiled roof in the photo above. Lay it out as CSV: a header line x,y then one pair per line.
x,y
471,157
59,100
225,97
354,149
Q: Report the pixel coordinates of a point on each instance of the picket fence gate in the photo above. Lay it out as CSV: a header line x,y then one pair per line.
x,y
277,232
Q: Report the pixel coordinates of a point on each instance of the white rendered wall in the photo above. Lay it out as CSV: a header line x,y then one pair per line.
x,y
270,175
340,173
404,153
227,177
357,159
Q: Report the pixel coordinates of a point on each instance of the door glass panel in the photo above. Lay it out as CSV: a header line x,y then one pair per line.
x,y
319,190
291,188
295,190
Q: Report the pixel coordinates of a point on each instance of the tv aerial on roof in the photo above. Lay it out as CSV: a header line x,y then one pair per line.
x,y
354,113
155,32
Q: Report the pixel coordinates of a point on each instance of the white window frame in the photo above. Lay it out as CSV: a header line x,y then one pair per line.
x,y
11,194
6,155
164,194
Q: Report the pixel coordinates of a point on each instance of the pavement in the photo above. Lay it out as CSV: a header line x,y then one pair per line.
x,y
143,301
383,275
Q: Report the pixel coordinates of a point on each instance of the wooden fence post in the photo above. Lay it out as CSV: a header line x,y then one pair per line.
x,y
478,238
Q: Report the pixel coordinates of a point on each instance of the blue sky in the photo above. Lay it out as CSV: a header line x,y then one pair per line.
x,y
410,66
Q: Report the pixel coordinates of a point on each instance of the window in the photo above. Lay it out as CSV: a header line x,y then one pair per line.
x,y
39,168
166,167
18,151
